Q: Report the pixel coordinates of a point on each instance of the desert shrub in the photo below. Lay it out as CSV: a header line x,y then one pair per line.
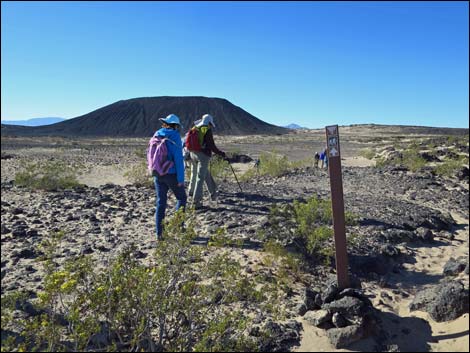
x,y
302,163
273,164
304,225
278,257
450,167
219,168
409,157
367,153
181,301
457,140
249,175
412,160
48,175
221,239
381,162
354,239
139,175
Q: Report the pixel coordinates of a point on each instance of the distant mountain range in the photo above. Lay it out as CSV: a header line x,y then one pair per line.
x,y
140,117
34,121
294,126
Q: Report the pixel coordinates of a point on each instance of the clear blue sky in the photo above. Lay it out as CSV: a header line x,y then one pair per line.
x,y
312,63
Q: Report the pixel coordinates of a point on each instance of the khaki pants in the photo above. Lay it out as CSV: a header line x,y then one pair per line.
x,y
200,174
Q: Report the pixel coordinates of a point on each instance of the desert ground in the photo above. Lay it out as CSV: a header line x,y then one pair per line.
x,y
410,237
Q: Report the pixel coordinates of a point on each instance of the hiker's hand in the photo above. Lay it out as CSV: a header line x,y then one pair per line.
x,y
180,185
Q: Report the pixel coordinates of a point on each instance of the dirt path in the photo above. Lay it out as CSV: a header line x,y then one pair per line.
x,y
414,331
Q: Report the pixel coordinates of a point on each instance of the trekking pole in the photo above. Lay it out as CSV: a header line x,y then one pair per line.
x,y
235,175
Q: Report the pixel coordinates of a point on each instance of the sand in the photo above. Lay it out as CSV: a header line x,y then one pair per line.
x,y
428,335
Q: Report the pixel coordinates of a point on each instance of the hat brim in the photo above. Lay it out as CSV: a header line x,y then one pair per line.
x,y
200,123
169,123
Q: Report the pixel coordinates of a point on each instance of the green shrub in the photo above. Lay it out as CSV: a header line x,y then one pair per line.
x,y
367,153
450,167
221,239
48,175
180,301
381,162
306,225
273,164
412,160
219,168
249,175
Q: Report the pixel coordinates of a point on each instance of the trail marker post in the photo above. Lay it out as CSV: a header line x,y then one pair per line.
x,y
337,203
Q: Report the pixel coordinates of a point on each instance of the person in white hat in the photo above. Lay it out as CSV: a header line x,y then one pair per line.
x,y
200,160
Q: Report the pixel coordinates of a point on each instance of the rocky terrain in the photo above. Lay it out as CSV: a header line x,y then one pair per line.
x,y
408,249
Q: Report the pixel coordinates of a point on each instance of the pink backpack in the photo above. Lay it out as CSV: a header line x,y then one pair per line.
x,y
157,155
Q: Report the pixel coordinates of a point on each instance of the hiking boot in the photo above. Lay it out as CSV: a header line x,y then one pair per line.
x,y
214,197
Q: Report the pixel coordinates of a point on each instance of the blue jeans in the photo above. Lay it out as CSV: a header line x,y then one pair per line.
x,y
162,184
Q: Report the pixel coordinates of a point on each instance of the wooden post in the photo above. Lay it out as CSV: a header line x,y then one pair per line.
x,y
337,203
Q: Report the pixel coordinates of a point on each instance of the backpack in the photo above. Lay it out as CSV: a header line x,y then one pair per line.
x,y
157,156
192,140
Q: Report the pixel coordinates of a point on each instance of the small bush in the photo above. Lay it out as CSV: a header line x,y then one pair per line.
x,y
367,153
219,168
306,226
381,162
180,301
49,175
412,160
220,239
273,164
450,167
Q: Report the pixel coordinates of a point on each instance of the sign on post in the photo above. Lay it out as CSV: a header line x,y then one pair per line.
x,y
337,202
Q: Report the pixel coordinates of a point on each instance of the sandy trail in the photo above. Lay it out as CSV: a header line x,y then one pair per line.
x,y
410,331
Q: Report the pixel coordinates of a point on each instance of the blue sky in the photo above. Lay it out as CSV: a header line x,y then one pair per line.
x,y
312,63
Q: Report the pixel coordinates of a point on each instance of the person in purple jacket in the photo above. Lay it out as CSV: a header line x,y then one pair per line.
x,y
174,179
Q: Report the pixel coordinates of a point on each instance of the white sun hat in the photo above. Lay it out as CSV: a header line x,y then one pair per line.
x,y
205,120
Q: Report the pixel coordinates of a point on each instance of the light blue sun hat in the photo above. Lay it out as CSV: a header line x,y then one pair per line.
x,y
171,119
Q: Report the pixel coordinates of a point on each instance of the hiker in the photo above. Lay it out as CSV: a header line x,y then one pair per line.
x,y
257,162
200,143
165,160
317,159
209,179
324,158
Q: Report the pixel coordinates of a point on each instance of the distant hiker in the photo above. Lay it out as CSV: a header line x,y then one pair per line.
x,y
317,159
165,161
324,158
257,162
200,143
